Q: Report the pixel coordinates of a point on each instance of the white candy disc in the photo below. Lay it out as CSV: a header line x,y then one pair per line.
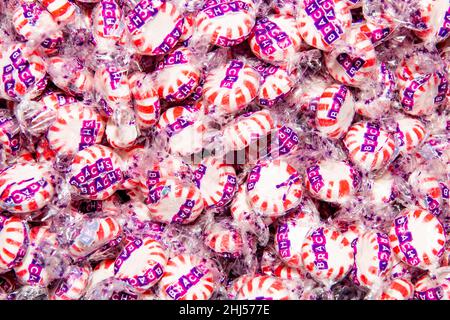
x,y
417,238
187,277
327,255
264,288
274,187
411,133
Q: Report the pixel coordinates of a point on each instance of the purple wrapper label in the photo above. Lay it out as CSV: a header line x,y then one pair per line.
x,y
445,190
198,174
445,28
229,189
182,91
405,237
20,195
88,133
442,88
338,101
153,178
226,42
185,282
172,59
267,34
287,140
319,249
109,17
232,74
384,251
314,178
171,39
185,211
370,137
350,65
284,245
323,15
433,205
156,194
177,126
253,177
408,93
214,9
143,12
430,294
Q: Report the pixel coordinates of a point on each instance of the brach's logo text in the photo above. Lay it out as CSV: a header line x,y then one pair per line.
x,y
442,88
18,196
351,66
184,212
109,8
152,178
96,177
198,174
217,8
266,30
314,178
172,59
182,91
408,93
284,244
384,251
433,205
405,237
88,133
228,191
338,101
177,126
31,12
444,30
62,289
35,270
225,42
6,123
430,294
179,289
171,39
319,248
232,74
370,137
142,12
322,12
378,34
23,69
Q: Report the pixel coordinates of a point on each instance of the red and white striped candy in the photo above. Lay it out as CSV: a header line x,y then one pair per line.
x,y
378,31
94,234
420,92
62,10
113,86
373,259
75,128
275,38
435,16
177,75
70,75
231,87
322,23
141,263
224,239
32,21
96,173
264,288
155,27
43,152
426,187
13,242
23,72
327,255
187,277
173,201
32,270
383,190
236,284
274,187
242,212
398,289
271,265
417,238
436,287
106,20
73,286
411,133
332,181
216,180
10,138
25,187
145,100
354,64
369,147
122,135
226,23
289,237
335,111
276,83
246,129
184,127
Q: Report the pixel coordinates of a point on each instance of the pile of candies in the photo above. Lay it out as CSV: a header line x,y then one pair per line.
x,y
224,149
